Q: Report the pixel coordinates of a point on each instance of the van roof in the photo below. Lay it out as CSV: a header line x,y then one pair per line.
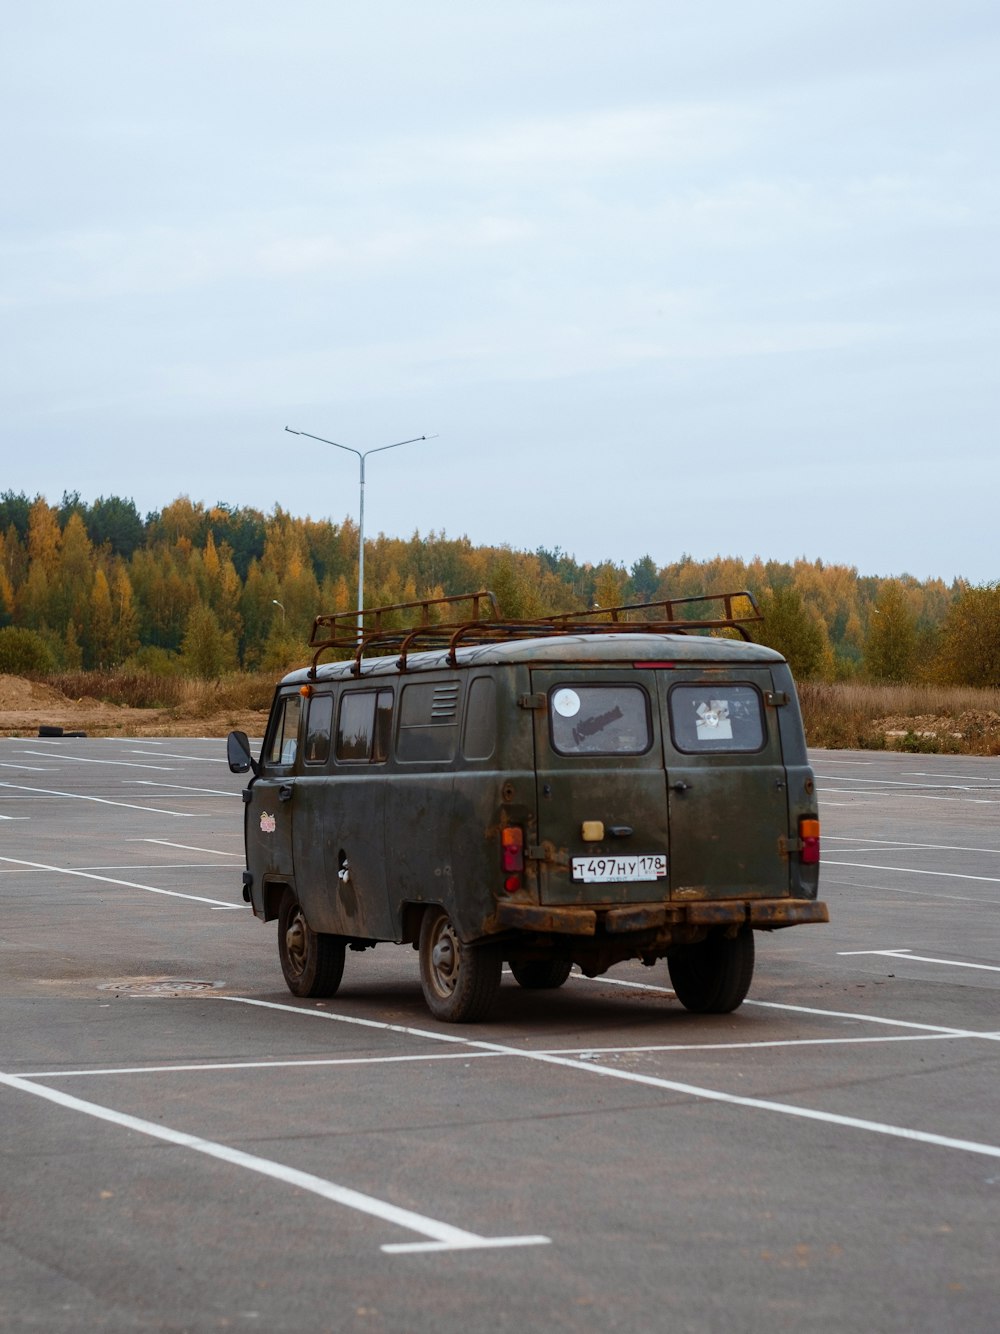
x,y
569,650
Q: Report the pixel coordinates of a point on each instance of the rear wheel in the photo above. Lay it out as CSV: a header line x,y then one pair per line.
x,y
460,982
312,961
714,976
541,974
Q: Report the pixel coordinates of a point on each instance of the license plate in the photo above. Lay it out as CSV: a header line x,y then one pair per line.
x,y
611,870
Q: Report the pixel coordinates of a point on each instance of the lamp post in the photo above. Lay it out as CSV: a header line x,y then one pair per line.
x,y
362,455
282,606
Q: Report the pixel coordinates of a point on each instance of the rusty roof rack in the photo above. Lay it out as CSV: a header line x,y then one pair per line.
x,y
342,630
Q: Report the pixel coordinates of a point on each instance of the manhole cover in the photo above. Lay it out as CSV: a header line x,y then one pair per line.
x,y
159,986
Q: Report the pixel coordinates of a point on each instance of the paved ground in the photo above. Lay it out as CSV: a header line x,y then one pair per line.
x,y
185,1146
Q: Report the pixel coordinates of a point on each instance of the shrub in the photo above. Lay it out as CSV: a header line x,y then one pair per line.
x,y
24,652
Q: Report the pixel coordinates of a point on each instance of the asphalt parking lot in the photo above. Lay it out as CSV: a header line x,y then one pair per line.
x,y
186,1146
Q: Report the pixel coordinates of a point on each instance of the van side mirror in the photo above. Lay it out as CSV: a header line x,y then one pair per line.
x,y
238,753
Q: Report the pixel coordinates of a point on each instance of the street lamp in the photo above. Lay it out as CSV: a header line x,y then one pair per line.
x,y
362,455
282,606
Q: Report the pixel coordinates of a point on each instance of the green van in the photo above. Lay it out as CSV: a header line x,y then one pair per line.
x,y
579,789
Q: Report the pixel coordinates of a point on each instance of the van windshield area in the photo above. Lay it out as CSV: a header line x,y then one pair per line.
x,y
284,738
599,720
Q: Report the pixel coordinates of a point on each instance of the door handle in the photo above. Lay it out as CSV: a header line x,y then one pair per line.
x,y
620,830
681,786
285,792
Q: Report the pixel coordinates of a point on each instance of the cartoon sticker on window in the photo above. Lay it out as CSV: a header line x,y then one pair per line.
x,y
714,723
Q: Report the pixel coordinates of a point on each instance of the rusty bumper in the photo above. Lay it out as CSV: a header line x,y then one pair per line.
x,y
765,914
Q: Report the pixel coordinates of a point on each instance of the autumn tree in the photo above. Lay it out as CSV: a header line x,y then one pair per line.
x,y
891,641
206,650
969,652
789,628
39,593
74,574
99,631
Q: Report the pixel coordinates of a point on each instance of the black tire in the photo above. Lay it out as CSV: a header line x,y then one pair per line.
x,y
460,982
541,974
713,977
312,962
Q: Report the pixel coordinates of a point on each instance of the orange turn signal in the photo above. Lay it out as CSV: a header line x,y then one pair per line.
x,y
808,841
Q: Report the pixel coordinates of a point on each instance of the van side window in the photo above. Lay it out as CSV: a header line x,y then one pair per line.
x,y
719,717
319,722
599,720
480,737
285,731
364,725
428,721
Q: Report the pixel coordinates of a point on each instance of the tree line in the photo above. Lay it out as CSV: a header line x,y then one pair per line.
x,y
206,590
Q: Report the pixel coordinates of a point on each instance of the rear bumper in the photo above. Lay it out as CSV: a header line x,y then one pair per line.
x,y
763,914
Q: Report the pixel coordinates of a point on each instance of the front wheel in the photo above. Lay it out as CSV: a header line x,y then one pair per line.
x,y
714,976
312,961
459,982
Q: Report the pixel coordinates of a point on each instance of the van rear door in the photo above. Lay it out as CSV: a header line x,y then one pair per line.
x,y
728,790
602,809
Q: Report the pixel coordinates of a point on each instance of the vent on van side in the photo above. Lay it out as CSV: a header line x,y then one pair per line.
x,y
444,705
428,720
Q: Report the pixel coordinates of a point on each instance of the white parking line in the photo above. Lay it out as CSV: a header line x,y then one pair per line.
x,y
911,870
826,759
583,1053
892,843
653,1081
185,847
85,759
943,1029
895,782
101,801
912,893
180,787
305,1062
127,884
923,958
172,755
924,796
440,1236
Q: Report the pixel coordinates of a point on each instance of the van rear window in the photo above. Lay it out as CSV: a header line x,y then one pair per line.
x,y
717,717
599,720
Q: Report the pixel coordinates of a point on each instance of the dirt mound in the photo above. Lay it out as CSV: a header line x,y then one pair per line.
x,y
26,706
979,729
17,694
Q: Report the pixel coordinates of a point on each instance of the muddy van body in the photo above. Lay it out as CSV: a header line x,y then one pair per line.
x,y
548,794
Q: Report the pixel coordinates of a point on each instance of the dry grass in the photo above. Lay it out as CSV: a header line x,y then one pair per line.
x,y
946,719
184,694
845,715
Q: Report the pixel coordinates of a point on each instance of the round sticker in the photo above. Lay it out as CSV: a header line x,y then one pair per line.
x,y
566,703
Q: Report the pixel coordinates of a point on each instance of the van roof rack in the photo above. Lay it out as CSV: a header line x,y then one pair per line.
x,y
481,622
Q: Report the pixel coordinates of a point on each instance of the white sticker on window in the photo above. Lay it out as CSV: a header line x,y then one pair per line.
x,y
566,703
714,723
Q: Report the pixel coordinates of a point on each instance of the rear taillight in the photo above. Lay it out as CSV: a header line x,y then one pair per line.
x,y
512,856
808,841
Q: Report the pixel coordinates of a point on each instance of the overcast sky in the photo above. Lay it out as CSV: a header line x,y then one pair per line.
x,y
662,276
